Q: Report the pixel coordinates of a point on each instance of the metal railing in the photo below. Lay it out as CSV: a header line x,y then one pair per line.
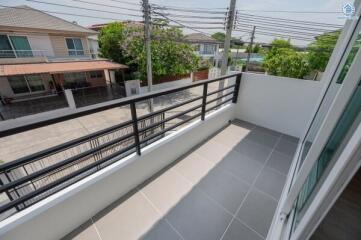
x,y
30,179
23,53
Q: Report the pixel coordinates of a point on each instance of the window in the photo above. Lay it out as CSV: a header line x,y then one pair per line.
x,y
6,50
209,49
96,74
21,46
26,84
75,80
75,47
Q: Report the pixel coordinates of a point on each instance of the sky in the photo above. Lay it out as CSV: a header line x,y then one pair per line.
x,y
256,7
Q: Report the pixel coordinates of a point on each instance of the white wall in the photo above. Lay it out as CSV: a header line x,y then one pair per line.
x,y
279,103
64,211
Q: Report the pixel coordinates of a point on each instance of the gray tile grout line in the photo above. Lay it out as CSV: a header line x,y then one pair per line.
x,y
160,214
252,185
96,229
234,216
215,201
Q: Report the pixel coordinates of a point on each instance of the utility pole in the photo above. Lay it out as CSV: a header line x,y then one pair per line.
x,y
147,22
227,42
250,48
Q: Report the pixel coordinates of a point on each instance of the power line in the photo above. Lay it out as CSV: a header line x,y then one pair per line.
x,y
272,24
197,8
181,24
288,11
62,13
126,2
283,30
155,6
192,16
198,22
292,20
88,9
277,35
104,5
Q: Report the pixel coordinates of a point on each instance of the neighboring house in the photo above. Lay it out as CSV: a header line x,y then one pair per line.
x,y
41,54
206,47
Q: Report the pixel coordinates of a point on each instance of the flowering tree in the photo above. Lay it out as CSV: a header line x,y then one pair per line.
x,y
170,55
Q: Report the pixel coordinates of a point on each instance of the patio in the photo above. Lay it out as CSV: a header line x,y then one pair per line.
x,y
226,188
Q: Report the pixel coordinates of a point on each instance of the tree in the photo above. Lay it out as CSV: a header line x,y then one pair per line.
x,y
219,36
283,60
319,51
169,55
255,49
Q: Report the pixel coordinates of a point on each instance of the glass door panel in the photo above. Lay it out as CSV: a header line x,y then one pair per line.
x,y
349,118
5,48
22,46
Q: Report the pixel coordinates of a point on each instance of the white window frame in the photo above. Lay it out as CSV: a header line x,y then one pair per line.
x,y
75,50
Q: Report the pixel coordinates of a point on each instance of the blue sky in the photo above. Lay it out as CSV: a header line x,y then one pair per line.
x,y
257,5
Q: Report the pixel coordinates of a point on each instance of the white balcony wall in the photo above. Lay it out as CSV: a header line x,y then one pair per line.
x,y
64,211
282,104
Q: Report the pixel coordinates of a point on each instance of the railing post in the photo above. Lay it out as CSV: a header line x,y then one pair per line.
x,y
204,101
236,88
133,111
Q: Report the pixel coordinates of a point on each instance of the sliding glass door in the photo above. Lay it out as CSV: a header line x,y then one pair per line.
x,y
21,46
330,128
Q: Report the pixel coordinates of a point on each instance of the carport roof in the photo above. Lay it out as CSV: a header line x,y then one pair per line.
x,y
58,67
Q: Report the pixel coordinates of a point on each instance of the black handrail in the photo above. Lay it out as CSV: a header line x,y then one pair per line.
x,y
141,134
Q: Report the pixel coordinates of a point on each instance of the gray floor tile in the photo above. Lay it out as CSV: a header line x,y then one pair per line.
x,y
129,219
263,138
271,182
243,124
238,231
226,189
280,162
167,190
241,166
290,138
257,211
197,217
286,147
213,151
268,131
86,231
162,230
253,150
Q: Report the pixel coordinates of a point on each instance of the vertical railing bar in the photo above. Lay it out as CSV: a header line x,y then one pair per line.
x,y
204,101
236,88
133,111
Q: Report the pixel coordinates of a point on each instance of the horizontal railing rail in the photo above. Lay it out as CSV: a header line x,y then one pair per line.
x,y
32,178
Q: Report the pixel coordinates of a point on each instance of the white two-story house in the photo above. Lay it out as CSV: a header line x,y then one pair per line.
x,y
41,54
206,47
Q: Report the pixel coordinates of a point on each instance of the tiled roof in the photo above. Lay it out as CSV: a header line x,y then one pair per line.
x,y
58,67
200,38
26,17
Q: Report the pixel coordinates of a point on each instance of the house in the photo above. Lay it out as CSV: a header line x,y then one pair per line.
x,y
41,54
206,47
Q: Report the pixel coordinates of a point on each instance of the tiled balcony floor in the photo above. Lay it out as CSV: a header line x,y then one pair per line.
x,y
226,188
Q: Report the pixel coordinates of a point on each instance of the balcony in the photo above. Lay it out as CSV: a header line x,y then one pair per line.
x,y
28,56
213,169
226,188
